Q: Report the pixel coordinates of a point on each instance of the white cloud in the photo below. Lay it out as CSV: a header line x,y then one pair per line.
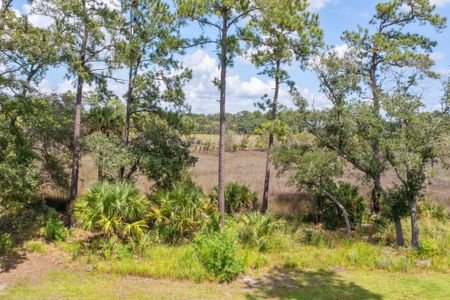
x,y
317,101
47,87
65,86
440,3
437,55
202,94
318,4
339,51
444,71
36,19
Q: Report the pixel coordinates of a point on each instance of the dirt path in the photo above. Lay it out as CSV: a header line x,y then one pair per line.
x,y
29,265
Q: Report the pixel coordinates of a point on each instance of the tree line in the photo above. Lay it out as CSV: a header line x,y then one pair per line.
x,y
375,123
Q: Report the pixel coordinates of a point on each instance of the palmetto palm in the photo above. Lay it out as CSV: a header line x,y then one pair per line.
x,y
107,120
178,213
113,209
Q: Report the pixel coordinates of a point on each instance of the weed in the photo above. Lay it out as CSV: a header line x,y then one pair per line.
x,y
54,229
255,230
238,198
217,252
35,246
6,244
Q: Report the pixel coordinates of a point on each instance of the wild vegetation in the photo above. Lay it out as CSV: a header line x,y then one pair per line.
x,y
122,188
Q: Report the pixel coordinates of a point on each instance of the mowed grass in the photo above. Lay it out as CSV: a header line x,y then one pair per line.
x,y
277,284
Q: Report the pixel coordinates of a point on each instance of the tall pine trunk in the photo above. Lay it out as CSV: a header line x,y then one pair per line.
x,y
222,128
77,129
131,76
414,223
376,179
126,134
265,200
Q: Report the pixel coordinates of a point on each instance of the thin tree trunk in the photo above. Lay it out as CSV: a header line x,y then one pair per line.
x,y
343,211
414,224
375,194
131,75
77,129
222,128
265,200
76,142
126,135
399,232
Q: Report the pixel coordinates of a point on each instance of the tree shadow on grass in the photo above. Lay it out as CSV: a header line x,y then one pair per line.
x,y
22,225
11,261
282,283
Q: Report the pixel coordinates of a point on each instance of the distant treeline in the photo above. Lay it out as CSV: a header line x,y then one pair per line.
x,y
243,122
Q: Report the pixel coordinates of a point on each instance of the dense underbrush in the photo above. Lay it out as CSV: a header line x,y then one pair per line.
x,y
176,234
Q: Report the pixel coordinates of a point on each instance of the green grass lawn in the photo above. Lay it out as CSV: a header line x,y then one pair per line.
x,y
276,284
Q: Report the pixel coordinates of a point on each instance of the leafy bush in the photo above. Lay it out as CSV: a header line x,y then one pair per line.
x,y
428,248
6,243
112,209
217,252
255,230
54,230
178,213
160,152
327,213
238,198
109,155
18,179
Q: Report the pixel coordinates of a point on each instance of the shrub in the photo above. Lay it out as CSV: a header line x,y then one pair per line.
x,y
176,214
245,141
109,155
428,248
54,230
217,252
433,210
238,198
112,209
6,244
35,246
328,214
255,230
230,142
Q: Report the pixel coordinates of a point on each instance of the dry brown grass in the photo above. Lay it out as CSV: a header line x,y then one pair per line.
x,y
247,167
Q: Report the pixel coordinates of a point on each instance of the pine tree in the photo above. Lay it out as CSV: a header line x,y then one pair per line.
x,y
282,33
223,16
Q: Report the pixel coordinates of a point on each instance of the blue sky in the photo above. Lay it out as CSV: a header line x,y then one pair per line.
x,y
245,86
